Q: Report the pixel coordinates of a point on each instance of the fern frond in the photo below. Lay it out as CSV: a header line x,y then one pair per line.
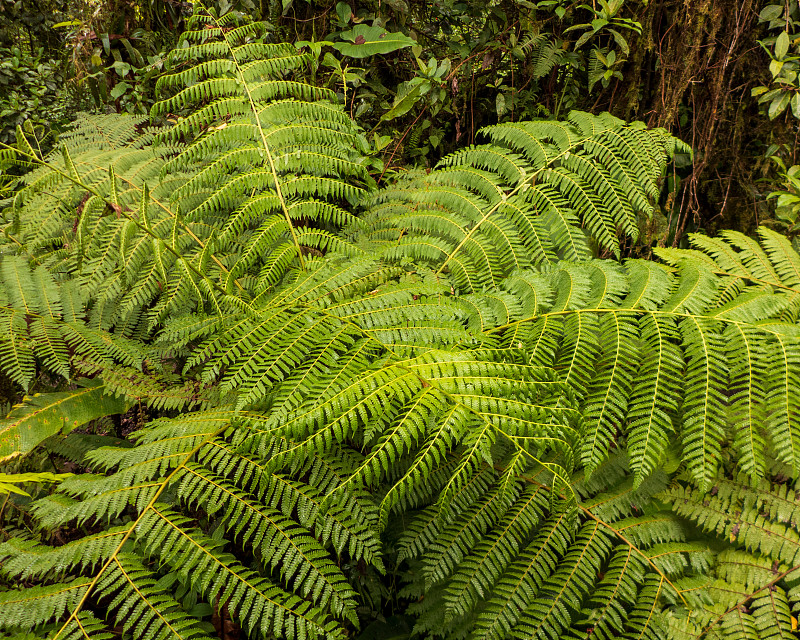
x,y
24,559
514,201
140,606
279,543
753,584
262,606
121,573
345,525
287,147
32,607
733,513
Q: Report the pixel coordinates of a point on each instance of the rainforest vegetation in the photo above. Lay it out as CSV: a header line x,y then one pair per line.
x,y
399,319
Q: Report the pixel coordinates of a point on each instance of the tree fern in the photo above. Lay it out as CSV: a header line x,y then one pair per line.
x,y
434,379
323,363
170,228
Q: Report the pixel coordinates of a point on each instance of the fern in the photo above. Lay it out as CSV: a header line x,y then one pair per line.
x,y
160,532
434,380
167,229
743,263
520,199
571,568
753,588
44,321
281,160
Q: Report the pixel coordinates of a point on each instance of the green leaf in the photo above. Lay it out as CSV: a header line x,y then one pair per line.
x,y
622,43
344,12
500,104
782,45
403,104
43,415
778,105
119,90
770,95
364,41
201,610
8,481
770,12
583,39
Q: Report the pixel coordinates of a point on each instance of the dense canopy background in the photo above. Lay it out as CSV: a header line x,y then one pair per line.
x,y
399,319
